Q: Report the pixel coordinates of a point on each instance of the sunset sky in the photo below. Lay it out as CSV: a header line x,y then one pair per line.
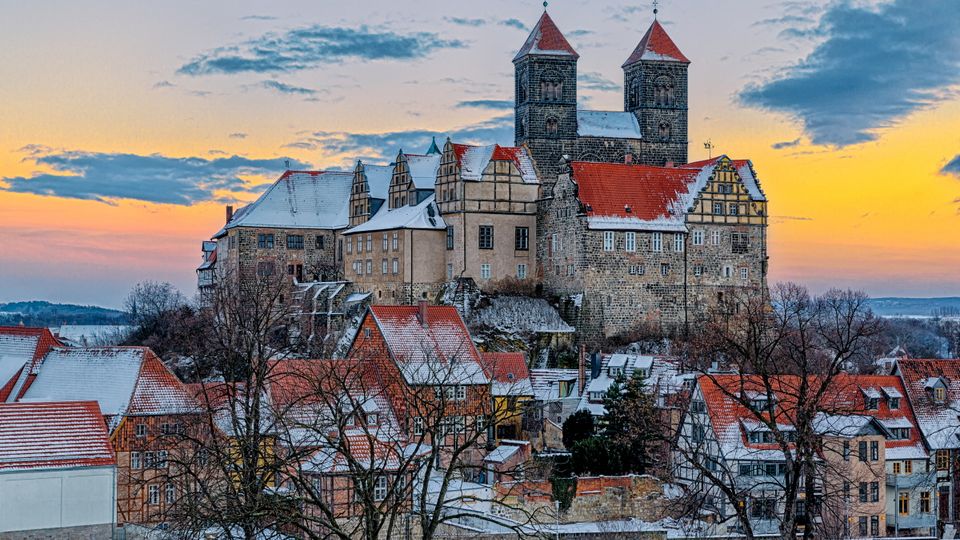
x,y
125,127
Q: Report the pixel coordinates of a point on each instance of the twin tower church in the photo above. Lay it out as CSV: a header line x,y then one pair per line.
x,y
600,212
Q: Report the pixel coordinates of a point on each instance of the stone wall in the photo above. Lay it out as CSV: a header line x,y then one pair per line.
x,y
598,498
86,532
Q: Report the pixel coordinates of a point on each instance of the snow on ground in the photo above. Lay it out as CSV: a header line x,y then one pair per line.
x,y
521,315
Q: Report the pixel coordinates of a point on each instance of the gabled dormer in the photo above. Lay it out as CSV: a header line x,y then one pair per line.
x,y
368,192
731,194
414,178
937,389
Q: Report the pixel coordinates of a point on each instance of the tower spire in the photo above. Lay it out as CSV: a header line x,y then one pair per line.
x,y
656,6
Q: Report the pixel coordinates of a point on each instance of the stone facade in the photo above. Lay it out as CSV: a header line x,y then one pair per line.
x,y
86,532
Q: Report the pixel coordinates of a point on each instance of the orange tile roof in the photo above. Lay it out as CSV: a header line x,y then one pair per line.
x,y
46,435
656,45
546,39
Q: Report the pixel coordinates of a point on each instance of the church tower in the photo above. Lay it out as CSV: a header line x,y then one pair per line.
x,y
545,103
655,90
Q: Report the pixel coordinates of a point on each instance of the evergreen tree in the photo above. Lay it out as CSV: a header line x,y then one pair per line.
x,y
577,427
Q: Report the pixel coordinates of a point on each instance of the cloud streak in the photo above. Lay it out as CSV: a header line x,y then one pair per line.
x,y
596,81
952,167
785,144
312,46
875,66
496,104
284,88
108,177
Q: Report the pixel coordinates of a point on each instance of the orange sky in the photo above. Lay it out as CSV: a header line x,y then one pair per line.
x,y
103,79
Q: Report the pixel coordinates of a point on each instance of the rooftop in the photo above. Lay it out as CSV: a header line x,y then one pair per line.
x,y
53,435
656,45
546,39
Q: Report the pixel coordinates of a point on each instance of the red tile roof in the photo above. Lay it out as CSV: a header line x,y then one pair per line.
x,y
938,420
51,435
21,347
505,367
609,188
546,39
159,391
656,45
473,160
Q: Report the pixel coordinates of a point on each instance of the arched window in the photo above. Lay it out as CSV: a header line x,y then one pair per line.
x,y
663,91
589,156
552,126
522,82
551,87
522,127
664,131
634,93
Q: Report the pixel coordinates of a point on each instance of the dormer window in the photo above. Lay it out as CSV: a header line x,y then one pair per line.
x,y
372,419
761,437
615,371
939,394
894,403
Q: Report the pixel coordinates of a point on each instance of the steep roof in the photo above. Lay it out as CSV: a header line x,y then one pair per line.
x,y
545,382
425,216
509,373
378,179
473,160
609,124
656,45
122,380
644,197
53,435
440,351
546,39
20,347
423,169
939,421
300,200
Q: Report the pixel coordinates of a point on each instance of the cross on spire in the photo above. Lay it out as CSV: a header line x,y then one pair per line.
x,y
545,3
656,8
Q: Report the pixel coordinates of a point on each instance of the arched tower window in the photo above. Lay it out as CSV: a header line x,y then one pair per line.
x,y
522,82
663,91
522,127
551,87
664,131
552,126
634,93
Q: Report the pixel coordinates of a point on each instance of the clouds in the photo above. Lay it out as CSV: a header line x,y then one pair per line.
x,y
785,144
384,146
312,46
284,88
875,66
495,104
106,177
473,22
596,81
952,167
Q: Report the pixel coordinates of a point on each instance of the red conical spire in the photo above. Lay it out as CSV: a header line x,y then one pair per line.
x,y
546,39
656,45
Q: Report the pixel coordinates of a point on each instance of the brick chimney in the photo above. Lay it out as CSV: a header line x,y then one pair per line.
x,y
628,158
582,374
669,164
229,212
422,312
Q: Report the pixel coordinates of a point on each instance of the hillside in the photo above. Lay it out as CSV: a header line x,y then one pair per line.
x,y
43,313
916,307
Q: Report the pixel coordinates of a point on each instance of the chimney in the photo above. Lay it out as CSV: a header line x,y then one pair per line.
x,y
582,375
229,212
628,158
669,164
422,312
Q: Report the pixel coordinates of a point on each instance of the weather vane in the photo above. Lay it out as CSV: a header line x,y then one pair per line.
x,y
544,5
656,5
708,146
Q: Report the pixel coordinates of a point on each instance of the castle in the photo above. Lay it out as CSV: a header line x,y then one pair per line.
x,y
599,210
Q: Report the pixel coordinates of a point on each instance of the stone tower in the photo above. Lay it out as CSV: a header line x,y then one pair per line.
x,y
655,89
545,103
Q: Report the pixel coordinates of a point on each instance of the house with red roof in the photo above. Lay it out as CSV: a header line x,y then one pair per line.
x,y
513,395
873,481
629,244
20,349
933,388
149,414
57,471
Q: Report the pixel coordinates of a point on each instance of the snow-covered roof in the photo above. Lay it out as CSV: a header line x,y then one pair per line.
x,y
656,45
546,39
937,419
501,453
520,314
872,393
509,373
423,216
840,425
625,364
19,347
300,200
473,160
546,383
122,380
609,124
378,179
423,170
892,392
53,435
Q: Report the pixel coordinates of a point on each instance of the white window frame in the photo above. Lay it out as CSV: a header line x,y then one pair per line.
x,y
727,272
718,208
744,274
141,430
386,242
630,241
380,488
153,494
396,266
697,237
485,271
678,243
715,238
656,242
135,462
396,240
170,493
384,266
521,271
449,271
418,425
369,242
461,393
609,240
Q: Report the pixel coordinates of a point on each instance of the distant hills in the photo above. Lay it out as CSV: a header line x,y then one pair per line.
x,y
43,313
916,307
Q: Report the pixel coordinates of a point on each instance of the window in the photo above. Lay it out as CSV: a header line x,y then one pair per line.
x,y
418,425
294,241
369,267
727,272
396,266
900,433
371,419
896,467
873,403
552,126
380,488
862,522
874,491
265,241
664,269
874,525
232,242
697,435
734,209
664,131
656,241
924,502
135,460
874,451
449,271
739,243
630,241
764,508
153,494
678,243
744,273
360,245
862,451
449,237
521,239
556,243
386,242
384,266
862,492
718,208
846,450
521,271
141,430
943,460
939,394
726,189
369,242
715,238
481,424
349,245
894,403
486,237
908,467
846,491
698,270
635,270
396,240
608,239
170,494
320,241
161,461
551,90
484,271
697,237
663,91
